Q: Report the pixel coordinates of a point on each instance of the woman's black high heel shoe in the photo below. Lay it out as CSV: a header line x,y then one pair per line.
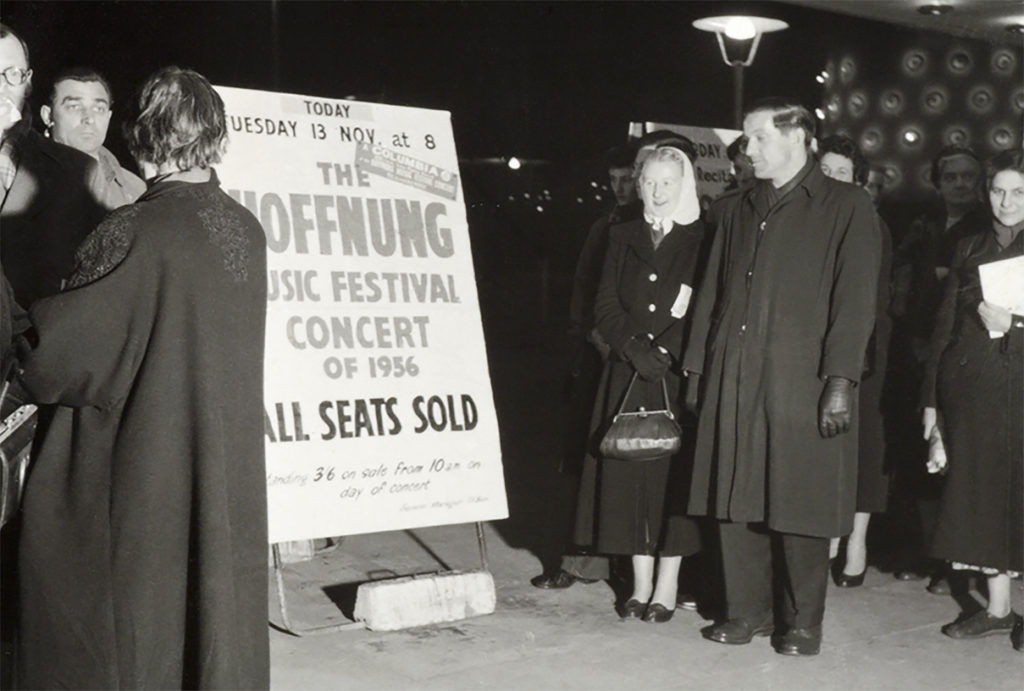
x,y
846,581
632,609
843,580
658,613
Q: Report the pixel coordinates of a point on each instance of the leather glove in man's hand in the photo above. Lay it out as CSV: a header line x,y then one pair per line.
x,y
835,407
649,362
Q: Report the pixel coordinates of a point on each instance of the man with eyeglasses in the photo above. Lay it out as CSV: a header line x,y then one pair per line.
x,y
78,115
50,192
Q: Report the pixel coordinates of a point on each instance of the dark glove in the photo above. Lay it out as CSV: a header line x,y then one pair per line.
x,y
649,362
692,392
835,407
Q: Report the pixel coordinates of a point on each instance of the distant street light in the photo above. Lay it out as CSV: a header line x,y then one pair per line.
x,y
738,38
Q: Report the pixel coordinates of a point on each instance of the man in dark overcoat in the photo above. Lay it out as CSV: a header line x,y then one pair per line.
x,y
781,323
50,192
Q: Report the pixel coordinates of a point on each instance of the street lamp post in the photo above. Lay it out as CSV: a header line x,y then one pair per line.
x,y
738,38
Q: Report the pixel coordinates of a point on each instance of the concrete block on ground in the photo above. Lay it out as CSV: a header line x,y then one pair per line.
x,y
401,603
292,552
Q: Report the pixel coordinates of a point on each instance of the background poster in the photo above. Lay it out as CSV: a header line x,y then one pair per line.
x,y
712,167
378,403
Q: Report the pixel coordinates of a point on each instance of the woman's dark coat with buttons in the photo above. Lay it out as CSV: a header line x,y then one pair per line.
x,y
639,285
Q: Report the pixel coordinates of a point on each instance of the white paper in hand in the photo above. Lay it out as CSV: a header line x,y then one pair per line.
x,y
682,302
1002,284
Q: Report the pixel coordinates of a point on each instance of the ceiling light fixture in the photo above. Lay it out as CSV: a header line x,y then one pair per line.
x,y
935,10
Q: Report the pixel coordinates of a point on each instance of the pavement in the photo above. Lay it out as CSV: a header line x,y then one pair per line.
x,y
882,635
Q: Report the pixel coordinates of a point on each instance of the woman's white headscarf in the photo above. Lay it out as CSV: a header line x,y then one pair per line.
x,y
688,209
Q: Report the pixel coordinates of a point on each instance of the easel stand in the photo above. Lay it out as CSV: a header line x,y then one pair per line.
x,y
407,583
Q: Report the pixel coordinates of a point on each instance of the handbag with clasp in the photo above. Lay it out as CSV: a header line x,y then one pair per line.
x,y
642,435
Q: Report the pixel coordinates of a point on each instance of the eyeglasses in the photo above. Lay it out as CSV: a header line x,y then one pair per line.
x,y
16,76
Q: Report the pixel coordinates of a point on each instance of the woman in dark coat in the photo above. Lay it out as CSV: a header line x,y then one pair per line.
x,y
974,407
144,528
640,309
841,159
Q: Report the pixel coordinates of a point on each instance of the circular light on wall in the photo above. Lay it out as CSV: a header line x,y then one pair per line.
x,y
857,104
891,102
914,62
1018,100
1002,136
1004,61
514,163
959,62
740,29
981,99
911,138
935,99
847,70
871,140
956,135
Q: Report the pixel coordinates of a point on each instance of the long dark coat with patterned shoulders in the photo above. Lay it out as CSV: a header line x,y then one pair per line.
x,y
788,299
144,528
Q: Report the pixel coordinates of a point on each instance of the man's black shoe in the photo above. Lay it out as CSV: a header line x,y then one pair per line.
x,y
738,631
560,580
801,642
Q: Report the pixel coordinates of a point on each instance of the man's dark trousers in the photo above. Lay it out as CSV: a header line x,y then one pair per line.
x,y
747,560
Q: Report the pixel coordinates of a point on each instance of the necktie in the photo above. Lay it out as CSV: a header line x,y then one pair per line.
x,y
659,226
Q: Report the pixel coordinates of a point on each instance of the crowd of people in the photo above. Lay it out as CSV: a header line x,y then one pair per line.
x,y
133,315
785,329
818,364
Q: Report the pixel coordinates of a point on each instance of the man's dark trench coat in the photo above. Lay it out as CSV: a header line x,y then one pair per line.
x,y
787,300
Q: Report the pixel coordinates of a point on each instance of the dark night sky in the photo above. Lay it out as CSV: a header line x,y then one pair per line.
x,y
558,81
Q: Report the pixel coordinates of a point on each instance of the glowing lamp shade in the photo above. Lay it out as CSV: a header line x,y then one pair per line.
x,y
740,28
738,38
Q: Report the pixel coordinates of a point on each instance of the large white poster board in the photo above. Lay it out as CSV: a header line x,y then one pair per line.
x,y
379,411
